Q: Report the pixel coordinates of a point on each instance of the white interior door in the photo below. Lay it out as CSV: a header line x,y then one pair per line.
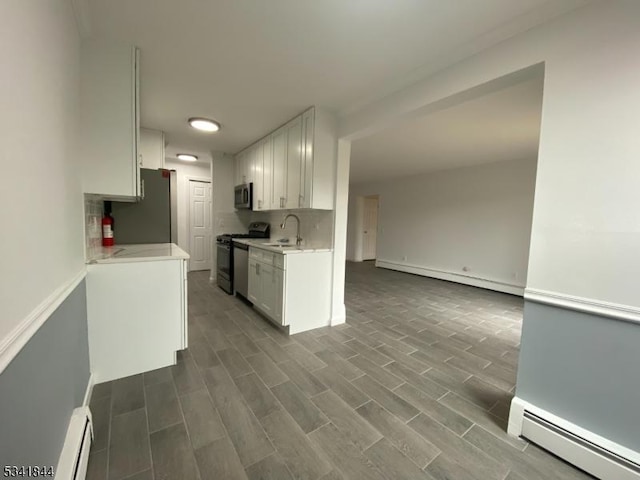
x,y
370,226
199,225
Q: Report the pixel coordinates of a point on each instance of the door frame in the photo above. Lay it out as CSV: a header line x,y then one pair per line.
x,y
187,180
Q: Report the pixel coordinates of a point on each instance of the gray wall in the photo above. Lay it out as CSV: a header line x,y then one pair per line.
x,y
583,368
44,383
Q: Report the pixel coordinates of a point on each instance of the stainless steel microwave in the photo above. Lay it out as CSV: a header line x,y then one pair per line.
x,y
243,196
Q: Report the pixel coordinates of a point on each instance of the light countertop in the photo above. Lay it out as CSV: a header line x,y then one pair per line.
x,y
283,249
146,252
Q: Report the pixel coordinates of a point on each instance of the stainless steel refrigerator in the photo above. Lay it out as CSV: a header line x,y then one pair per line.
x,y
154,218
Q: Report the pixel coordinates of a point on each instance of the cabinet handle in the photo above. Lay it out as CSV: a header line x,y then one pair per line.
x,y
142,189
257,269
140,160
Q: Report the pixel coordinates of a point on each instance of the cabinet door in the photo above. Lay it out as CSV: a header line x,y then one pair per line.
x,y
267,174
109,120
279,169
236,169
239,172
255,283
249,165
306,171
267,302
278,295
258,177
294,163
151,149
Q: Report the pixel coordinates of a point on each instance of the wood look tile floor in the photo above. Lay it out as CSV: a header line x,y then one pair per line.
x,y
416,384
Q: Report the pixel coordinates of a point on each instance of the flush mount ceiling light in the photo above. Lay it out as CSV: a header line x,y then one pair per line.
x,y
187,157
204,124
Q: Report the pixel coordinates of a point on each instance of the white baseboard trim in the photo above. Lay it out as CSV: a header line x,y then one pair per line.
x,y
585,305
495,285
586,458
22,333
88,392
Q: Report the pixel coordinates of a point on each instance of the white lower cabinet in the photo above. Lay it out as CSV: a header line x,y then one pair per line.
x,y
137,316
292,290
265,284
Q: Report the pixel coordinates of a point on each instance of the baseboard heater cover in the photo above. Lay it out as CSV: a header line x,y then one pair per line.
x,y
590,457
74,458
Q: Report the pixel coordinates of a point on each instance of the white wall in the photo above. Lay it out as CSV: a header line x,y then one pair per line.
x,y
355,225
42,220
586,229
184,170
478,218
224,218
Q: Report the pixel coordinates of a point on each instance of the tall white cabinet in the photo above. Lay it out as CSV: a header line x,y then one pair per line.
x,y
109,120
293,167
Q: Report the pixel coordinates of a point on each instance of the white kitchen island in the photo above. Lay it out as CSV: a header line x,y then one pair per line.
x,y
137,309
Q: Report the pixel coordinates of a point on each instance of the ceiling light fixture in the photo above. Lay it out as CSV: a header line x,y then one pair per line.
x,y
204,124
187,157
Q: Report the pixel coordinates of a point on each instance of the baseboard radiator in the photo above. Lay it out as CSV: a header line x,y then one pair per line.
x,y
74,458
590,457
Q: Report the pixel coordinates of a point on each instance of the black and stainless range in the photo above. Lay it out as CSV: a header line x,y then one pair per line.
x,y
224,243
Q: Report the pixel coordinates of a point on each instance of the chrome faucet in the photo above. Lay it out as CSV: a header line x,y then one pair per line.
x,y
284,223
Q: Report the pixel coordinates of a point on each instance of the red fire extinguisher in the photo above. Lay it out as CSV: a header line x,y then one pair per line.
x,y
107,230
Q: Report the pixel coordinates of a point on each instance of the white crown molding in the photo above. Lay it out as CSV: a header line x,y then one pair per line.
x,y
11,345
83,18
585,305
449,276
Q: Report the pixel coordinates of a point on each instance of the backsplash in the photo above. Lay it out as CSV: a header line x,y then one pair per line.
x,y
316,226
93,211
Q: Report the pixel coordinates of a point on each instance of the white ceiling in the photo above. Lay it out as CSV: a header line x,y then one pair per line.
x,y
500,126
253,64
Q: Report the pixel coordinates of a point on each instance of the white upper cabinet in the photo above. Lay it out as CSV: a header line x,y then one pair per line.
x,y
279,168
244,165
306,169
262,175
248,165
266,174
320,151
293,167
151,149
239,168
294,164
109,120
